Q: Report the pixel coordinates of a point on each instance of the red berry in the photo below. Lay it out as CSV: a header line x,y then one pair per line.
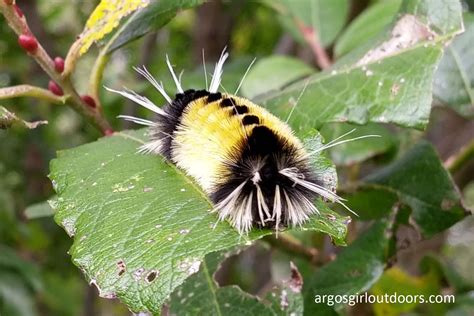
x,y
18,11
89,101
28,42
109,132
59,64
55,88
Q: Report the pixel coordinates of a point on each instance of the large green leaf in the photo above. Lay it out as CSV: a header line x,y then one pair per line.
x,y
140,226
325,17
420,181
391,82
157,14
453,84
354,271
201,295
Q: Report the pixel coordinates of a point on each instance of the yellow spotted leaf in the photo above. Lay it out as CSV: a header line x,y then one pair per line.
x,y
105,18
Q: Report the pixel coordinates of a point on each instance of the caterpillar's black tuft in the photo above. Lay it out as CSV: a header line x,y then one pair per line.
x,y
250,164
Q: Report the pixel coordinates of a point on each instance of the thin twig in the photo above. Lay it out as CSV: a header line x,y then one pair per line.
x,y
20,26
26,90
456,161
311,37
290,244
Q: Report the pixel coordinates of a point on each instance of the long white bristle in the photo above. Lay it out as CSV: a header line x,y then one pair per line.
x,y
176,81
136,120
244,76
332,143
217,76
143,101
151,147
292,174
145,73
204,66
277,207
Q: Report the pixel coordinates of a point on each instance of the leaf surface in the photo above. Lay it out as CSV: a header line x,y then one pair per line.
x,y
140,226
420,181
105,19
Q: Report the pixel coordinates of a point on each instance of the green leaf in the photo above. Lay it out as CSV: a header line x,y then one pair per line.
x,y
105,18
10,262
19,280
326,18
459,254
273,73
464,305
453,84
140,226
367,25
354,271
38,210
15,297
362,149
371,203
397,282
420,181
390,83
153,17
200,295
9,119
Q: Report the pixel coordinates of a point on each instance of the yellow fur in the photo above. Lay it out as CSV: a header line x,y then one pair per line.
x,y
209,135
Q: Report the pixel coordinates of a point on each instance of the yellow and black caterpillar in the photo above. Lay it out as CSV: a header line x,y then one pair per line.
x,y
253,168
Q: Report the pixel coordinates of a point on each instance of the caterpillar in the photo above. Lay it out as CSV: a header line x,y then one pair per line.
x,y
249,162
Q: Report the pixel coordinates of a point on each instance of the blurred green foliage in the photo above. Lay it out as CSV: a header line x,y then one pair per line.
x,y
36,273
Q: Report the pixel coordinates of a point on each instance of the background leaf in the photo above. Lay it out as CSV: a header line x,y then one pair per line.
x,y
453,83
38,210
326,17
273,73
360,150
420,181
153,17
379,84
105,19
354,271
395,281
140,226
367,25
201,294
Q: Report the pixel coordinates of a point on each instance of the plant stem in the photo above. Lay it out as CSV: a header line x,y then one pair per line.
x,y
26,90
311,37
20,27
289,244
457,161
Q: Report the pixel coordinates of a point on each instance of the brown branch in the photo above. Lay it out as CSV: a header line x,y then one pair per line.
x,y
312,39
291,245
18,23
